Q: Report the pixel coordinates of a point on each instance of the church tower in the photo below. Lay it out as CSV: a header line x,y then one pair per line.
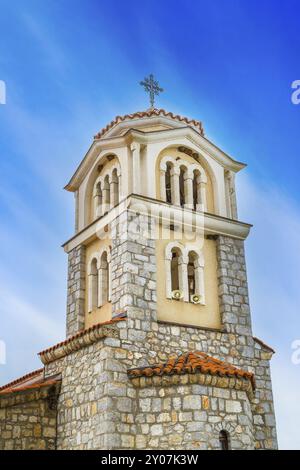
x,y
160,352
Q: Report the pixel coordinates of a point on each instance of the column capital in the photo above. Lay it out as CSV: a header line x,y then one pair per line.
x,y
175,170
135,146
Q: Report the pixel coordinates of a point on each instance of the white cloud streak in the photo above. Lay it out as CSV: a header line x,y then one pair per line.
x,y
273,260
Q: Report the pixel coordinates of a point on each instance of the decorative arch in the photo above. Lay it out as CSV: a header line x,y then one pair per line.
x,y
222,430
184,270
93,282
104,295
177,249
183,183
224,440
99,279
110,195
196,284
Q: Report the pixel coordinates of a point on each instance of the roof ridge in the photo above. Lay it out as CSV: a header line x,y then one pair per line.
x,y
148,113
191,362
83,332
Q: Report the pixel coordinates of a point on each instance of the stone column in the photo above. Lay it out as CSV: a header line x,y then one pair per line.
x,y
201,196
168,276
93,288
136,167
175,187
163,195
199,283
102,284
233,286
76,291
188,191
106,196
109,276
232,196
113,184
183,277
98,201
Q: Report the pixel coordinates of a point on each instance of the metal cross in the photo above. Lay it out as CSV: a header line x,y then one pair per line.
x,y
152,87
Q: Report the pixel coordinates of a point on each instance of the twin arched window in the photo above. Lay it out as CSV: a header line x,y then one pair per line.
x,y
99,275
106,193
184,273
183,184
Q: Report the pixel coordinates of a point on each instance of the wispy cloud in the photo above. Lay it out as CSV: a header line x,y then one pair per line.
x,y
30,318
273,260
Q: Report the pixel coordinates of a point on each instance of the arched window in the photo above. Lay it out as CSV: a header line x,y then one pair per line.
x,y
175,269
93,285
104,279
195,276
168,184
224,440
196,195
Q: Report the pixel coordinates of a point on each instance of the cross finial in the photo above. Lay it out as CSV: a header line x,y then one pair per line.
x,y
152,87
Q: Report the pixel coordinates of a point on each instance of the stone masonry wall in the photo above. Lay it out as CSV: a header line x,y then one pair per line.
x,y
233,287
191,417
95,396
99,408
27,425
76,291
95,386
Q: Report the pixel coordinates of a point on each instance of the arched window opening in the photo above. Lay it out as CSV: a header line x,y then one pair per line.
x,y
104,279
168,184
97,201
182,186
196,195
175,269
93,285
224,440
106,194
191,275
115,188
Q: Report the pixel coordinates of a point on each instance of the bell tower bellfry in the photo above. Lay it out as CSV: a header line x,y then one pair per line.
x,y
159,350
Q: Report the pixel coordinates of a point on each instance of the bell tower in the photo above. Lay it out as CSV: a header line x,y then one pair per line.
x,y
158,241
159,352
153,180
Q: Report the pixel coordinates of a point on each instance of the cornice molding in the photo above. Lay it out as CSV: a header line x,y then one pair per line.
x,y
210,224
201,142
241,384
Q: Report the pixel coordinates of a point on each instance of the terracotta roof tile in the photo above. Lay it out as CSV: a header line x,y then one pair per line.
x,y
192,362
31,377
84,332
32,381
150,113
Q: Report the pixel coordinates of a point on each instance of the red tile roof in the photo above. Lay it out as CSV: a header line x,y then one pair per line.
x,y
24,379
84,332
190,363
31,381
150,113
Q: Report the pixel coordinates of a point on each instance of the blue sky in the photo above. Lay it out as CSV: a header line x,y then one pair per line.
x,y
69,68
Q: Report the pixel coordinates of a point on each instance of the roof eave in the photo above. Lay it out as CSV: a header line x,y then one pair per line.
x,y
225,159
